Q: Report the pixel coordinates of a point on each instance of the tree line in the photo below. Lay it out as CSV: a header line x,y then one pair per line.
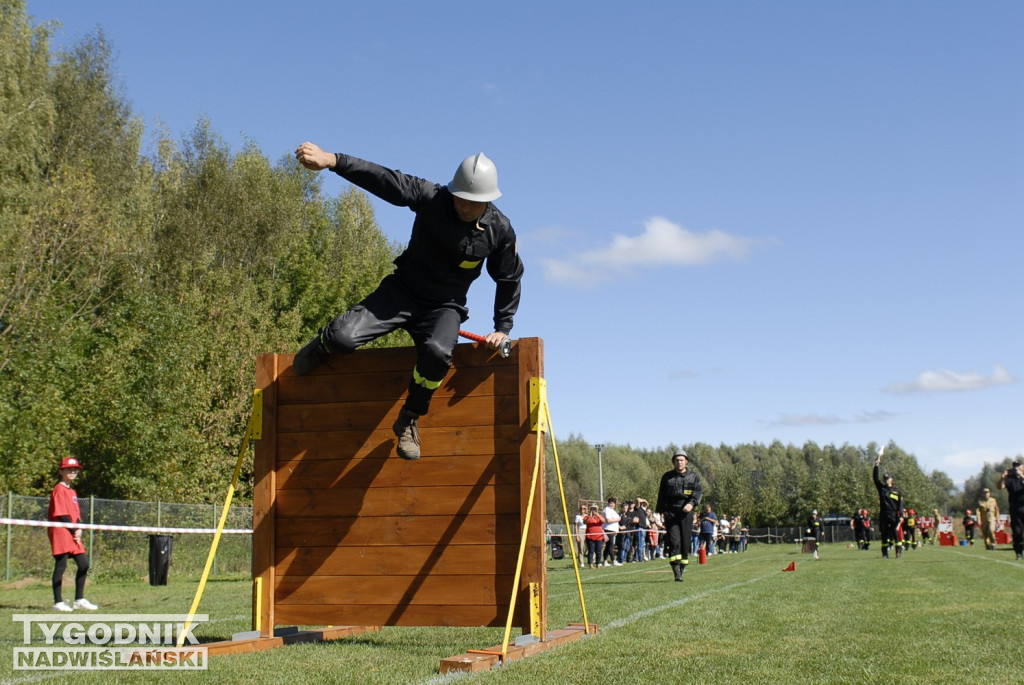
x,y
138,286
141,275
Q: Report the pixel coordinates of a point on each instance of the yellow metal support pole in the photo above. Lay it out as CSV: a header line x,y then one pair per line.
x,y
535,626
536,389
257,602
540,421
257,415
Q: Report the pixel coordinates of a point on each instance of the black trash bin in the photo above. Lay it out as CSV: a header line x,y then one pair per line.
x,y
159,558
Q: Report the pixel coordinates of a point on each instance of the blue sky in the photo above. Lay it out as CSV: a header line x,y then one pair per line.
x,y
741,221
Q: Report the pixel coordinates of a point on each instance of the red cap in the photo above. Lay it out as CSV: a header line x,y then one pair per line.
x,y
70,463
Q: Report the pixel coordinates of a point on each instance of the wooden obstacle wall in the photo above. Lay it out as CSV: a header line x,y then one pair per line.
x,y
348,533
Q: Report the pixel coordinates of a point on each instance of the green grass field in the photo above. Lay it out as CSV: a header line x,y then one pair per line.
x,y
938,615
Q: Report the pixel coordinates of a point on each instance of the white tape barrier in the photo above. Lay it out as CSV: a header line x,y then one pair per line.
x,y
123,529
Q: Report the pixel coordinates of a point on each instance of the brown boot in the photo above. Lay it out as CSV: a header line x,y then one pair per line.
x,y
408,434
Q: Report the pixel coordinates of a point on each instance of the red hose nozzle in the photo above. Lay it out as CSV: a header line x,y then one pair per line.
x,y
504,349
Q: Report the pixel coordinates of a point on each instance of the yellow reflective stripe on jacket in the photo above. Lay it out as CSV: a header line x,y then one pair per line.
x,y
468,264
418,379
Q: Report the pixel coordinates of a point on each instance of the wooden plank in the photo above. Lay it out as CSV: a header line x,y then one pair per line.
x,y
378,386
474,662
397,530
466,355
367,386
438,471
369,614
400,560
392,591
459,500
377,416
379,444
264,492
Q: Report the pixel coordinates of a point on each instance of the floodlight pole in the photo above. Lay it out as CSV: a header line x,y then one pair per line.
x,y
600,473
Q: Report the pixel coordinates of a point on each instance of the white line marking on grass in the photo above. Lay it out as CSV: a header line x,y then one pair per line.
x,y
619,623
1015,564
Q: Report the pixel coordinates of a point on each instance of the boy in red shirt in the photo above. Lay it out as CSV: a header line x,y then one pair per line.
x,y
67,542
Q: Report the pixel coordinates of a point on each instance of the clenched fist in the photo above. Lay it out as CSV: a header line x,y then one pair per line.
x,y
313,157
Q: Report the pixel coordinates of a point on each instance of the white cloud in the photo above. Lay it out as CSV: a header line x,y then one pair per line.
x,y
662,243
807,419
814,419
949,381
967,463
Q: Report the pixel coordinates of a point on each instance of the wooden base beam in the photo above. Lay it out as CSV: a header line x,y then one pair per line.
x,y
259,644
475,661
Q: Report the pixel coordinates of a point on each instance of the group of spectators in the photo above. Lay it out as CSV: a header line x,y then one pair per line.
x,y
606,536
609,537
725,535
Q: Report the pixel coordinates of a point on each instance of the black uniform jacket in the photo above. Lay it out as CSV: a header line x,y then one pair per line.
x,y
677,490
890,500
445,254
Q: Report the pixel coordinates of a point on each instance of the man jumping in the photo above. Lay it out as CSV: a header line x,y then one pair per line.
x,y
456,230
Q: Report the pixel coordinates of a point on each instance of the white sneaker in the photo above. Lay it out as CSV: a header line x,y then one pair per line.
x,y
617,563
62,606
606,564
85,604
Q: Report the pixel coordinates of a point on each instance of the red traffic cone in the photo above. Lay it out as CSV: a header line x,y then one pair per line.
x,y
703,555
791,567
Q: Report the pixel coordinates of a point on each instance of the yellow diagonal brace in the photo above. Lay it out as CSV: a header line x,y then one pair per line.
x,y
257,402
540,418
565,513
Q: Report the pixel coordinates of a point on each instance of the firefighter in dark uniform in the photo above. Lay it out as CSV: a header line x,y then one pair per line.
x,y
815,530
679,494
890,510
867,529
1013,482
970,523
457,233
910,530
858,524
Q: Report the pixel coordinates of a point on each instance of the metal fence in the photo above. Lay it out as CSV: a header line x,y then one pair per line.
x,y
125,554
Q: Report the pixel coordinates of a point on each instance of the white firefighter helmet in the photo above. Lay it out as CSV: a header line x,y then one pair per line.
x,y
476,179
